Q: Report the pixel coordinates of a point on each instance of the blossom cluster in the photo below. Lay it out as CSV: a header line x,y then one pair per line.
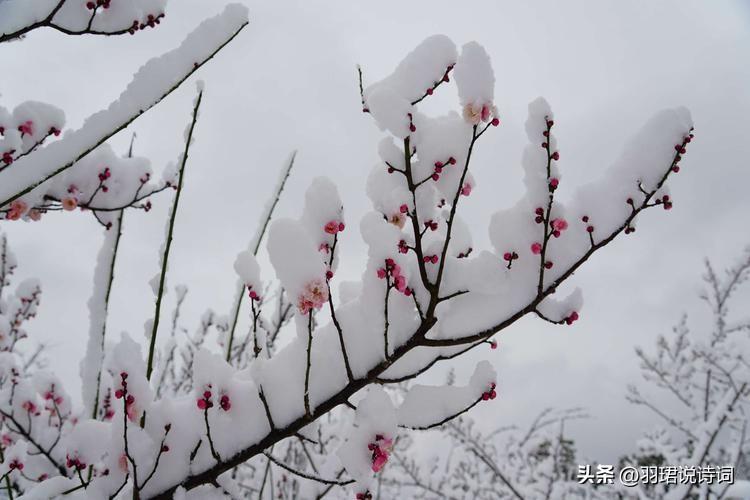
x,y
380,448
392,271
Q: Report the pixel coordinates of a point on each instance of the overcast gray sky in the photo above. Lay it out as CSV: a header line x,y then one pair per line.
x,y
289,82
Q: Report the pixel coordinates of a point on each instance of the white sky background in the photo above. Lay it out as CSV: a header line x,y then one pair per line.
x,y
289,82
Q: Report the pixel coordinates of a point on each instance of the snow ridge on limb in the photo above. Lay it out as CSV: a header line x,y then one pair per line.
x,y
158,78
78,17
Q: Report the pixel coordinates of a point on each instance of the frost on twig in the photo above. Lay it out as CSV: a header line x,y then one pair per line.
x,y
154,81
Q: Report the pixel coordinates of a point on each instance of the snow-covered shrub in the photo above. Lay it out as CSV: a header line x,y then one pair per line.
x,y
698,384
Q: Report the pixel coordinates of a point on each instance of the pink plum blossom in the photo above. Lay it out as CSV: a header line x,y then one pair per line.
x,y
314,295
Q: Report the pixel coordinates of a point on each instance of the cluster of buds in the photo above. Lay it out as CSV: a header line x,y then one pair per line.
x,y
680,148
539,215
151,22
571,318
665,201
15,464
313,296
463,255
333,227
490,394
74,462
252,293
403,247
439,165
205,402
553,182
509,257
431,225
99,3
105,174
122,393
394,271
466,189
555,155
589,227
380,449
475,113
445,79
364,495
430,259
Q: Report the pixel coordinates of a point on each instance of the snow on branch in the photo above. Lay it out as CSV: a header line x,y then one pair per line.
x,y
78,17
153,82
425,407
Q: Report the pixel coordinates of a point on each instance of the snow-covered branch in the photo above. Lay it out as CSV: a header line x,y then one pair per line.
x,y
152,83
71,17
